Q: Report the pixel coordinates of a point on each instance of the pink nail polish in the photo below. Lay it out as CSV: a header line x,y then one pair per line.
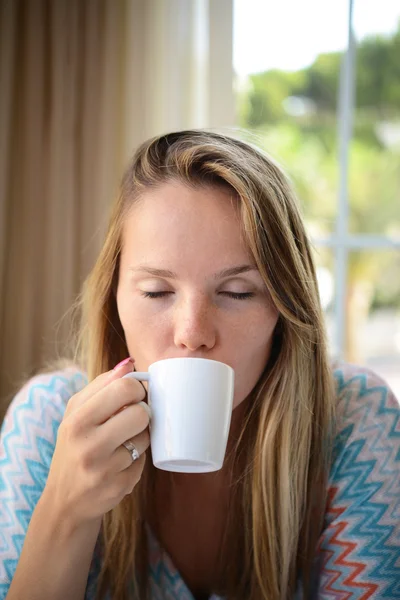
x,y
123,363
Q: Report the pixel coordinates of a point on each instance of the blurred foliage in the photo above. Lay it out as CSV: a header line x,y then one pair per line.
x,y
293,115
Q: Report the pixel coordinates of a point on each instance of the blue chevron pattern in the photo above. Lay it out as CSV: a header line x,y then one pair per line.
x,y
28,437
359,550
361,541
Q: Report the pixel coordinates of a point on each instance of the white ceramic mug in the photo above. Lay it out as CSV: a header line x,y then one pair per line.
x,y
191,407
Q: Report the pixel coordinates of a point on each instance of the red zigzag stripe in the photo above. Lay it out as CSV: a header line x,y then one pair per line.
x,y
357,568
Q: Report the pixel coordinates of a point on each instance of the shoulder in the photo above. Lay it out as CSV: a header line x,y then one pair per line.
x,y
366,408
359,549
36,411
44,393
367,423
355,377
354,382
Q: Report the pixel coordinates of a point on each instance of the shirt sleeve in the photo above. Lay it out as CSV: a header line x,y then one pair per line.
x,y
27,441
359,550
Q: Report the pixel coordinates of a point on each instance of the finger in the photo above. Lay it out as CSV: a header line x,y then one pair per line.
x,y
121,458
128,478
109,400
121,427
100,382
133,473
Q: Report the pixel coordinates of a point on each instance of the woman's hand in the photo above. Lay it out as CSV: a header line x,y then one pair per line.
x,y
91,470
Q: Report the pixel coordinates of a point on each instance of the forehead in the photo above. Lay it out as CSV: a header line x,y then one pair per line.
x,y
179,220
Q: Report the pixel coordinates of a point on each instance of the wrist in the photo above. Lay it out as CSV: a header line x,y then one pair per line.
x,y
61,523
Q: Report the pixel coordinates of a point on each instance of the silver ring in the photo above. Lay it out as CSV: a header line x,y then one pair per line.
x,y
133,451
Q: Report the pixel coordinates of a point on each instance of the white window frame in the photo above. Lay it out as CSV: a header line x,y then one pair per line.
x,y
342,242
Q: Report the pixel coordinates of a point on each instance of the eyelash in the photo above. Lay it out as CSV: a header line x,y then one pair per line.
x,y
233,295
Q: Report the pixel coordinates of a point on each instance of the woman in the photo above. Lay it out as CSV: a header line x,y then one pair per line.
x,y
206,256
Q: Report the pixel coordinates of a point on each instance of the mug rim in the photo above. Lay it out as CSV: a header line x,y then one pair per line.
x,y
189,358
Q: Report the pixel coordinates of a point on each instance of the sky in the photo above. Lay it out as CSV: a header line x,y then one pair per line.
x,y
289,34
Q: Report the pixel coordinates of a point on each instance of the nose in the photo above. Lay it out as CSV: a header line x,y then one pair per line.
x,y
194,325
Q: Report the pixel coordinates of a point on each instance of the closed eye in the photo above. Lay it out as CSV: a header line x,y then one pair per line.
x,y
238,295
234,295
155,294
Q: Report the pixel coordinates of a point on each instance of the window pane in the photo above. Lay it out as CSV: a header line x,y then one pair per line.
x,y
374,176
373,313
287,75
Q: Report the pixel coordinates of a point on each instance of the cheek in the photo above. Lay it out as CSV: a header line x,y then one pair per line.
x,y
245,346
252,356
144,334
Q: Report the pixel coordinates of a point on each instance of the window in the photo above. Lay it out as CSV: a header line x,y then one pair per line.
x,y
318,86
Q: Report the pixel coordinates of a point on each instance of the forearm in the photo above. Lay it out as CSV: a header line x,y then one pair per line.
x,y
55,559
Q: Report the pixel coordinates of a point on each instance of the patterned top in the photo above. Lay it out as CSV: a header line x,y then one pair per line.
x,y
359,549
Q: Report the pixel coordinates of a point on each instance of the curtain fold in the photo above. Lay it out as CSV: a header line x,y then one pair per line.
x,y
61,106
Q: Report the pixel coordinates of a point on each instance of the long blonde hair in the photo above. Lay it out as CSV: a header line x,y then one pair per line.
x,y
280,493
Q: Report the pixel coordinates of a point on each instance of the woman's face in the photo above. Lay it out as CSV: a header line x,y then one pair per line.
x,y
188,286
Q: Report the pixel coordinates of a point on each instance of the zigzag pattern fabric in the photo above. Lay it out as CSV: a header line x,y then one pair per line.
x,y
360,545
359,549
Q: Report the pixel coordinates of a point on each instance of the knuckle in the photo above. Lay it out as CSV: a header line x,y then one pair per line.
x,y
115,492
130,487
71,403
101,377
141,417
123,388
63,428
71,426
131,387
140,466
133,481
140,389
134,474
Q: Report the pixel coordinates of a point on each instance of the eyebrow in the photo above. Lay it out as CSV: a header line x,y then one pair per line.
x,y
229,272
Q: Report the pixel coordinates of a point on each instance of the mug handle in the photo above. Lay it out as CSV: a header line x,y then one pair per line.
x,y
140,376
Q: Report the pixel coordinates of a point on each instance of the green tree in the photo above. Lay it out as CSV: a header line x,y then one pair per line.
x,y
306,145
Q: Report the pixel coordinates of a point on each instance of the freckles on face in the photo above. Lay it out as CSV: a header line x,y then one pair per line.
x,y
250,350
188,285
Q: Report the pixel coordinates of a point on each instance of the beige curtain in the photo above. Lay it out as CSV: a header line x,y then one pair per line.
x,y
61,87
82,82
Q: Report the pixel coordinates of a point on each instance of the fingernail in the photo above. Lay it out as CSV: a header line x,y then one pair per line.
x,y
123,363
